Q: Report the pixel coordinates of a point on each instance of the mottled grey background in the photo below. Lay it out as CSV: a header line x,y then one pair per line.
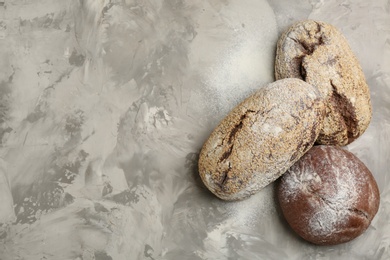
x,y
104,105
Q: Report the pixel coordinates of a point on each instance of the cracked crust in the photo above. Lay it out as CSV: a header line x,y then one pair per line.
x,y
329,196
319,54
261,138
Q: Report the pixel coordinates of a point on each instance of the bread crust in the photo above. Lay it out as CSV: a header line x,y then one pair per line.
x,y
329,196
319,54
261,138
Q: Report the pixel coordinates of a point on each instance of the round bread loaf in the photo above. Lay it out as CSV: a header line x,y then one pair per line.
x,y
261,138
319,54
329,196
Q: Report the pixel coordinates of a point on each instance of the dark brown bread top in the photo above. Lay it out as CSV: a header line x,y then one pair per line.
x,y
261,138
319,54
329,196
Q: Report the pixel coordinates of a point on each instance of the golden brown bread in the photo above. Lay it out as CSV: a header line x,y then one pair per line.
x,y
261,138
319,54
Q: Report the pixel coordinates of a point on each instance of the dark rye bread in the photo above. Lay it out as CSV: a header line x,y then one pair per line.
x,y
329,196
319,54
261,138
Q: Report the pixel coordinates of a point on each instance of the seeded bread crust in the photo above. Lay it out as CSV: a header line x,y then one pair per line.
x,y
261,138
319,54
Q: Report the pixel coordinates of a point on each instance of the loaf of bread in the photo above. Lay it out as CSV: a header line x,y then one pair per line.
x,y
319,54
329,196
261,138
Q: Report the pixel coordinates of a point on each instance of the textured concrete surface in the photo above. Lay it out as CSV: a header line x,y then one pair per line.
x,y
104,105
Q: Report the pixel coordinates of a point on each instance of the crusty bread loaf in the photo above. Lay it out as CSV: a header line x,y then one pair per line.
x,y
319,54
261,138
329,196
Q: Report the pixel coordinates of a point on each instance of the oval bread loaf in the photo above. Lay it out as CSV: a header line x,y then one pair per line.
x,y
261,138
329,196
319,54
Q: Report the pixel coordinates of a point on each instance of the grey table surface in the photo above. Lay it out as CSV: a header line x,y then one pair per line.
x,y
106,103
